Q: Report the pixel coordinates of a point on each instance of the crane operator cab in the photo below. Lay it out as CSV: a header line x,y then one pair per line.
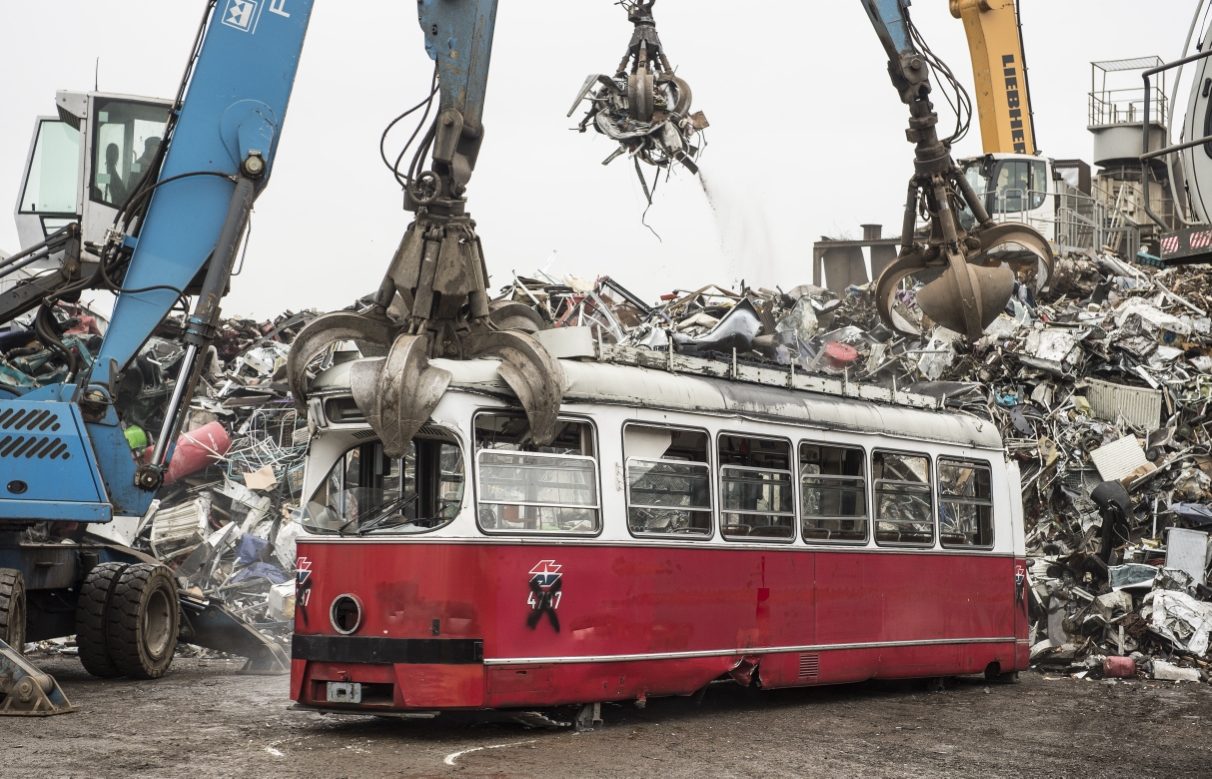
x,y
84,163
1014,188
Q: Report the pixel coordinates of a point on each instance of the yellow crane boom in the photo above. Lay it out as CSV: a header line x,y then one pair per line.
x,y
1003,100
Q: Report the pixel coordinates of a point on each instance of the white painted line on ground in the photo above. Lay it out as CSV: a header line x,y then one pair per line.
x,y
451,758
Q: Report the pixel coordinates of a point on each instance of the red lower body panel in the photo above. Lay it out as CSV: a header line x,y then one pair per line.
x,y
466,626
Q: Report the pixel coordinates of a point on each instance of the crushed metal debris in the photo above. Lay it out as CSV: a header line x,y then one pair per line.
x,y
644,106
223,521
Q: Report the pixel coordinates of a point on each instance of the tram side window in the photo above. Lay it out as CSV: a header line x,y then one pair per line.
x,y
757,497
368,492
965,493
904,506
668,480
526,488
833,493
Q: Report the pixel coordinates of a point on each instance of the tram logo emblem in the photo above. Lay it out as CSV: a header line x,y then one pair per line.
x,y
546,592
303,580
241,14
546,573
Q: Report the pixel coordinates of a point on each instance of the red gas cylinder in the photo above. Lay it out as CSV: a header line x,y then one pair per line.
x,y
195,450
1119,668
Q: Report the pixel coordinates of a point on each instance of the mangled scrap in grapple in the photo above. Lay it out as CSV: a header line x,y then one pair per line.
x,y
644,105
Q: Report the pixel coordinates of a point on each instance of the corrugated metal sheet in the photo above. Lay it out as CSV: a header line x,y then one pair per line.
x,y
1141,406
1119,458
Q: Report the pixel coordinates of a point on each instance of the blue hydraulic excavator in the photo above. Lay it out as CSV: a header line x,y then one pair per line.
x,y
171,238
165,234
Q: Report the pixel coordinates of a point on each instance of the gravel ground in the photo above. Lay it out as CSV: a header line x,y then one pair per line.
x,y
203,721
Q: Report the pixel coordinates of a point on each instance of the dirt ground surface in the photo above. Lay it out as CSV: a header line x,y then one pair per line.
x,y
204,720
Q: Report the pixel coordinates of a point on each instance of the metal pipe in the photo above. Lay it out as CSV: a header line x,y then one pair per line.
x,y
1177,147
1174,103
974,202
1145,154
221,264
27,261
910,219
199,329
40,250
168,429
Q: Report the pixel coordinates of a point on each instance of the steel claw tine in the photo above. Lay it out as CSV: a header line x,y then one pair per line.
x,y
1027,237
322,333
399,393
536,378
889,281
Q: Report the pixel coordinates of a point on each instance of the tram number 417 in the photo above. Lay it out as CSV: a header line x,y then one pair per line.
x,y
552,598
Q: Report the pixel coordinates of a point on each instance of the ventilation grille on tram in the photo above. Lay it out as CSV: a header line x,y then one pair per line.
x,y
810,666
19,435
428,431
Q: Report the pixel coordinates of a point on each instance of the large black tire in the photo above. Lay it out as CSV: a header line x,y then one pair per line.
x,y
144,616
92,619
12,609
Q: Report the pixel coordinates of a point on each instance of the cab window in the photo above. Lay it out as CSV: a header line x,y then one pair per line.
x,y
527,488
1013,184
757,492
54,171
126,142
833,493
367,492
904,507
668,481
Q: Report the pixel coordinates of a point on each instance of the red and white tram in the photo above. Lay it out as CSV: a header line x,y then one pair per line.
x,y
680,529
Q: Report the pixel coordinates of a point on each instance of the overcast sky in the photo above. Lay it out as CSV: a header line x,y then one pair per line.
x,y
807,134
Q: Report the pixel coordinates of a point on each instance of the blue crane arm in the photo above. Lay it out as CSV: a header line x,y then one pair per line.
x,y
184,233
890,19
235,104
458,37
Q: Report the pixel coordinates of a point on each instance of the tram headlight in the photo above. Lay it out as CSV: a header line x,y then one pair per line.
x,y
346,614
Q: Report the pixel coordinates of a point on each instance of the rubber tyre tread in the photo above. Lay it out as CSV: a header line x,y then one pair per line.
x,y
127,648
12,585
92,611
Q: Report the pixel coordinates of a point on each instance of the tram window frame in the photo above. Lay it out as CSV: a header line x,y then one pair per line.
x,y
863,477
370,470
990,523
895,486
478,486
708,465
793,515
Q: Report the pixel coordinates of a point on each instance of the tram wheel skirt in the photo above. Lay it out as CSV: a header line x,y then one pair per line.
x,y
412,687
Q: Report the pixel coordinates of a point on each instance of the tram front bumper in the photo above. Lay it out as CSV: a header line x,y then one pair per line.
x,y
387,674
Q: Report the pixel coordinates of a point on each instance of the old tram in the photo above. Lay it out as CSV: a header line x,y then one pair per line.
x,y
692,521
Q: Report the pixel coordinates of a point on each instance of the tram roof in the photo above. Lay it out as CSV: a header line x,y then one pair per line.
x,y
656,380
625,385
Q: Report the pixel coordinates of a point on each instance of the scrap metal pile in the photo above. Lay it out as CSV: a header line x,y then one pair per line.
x,y
1102,388
223,519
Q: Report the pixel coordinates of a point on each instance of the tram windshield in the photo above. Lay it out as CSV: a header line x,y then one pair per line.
x,y
367,492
